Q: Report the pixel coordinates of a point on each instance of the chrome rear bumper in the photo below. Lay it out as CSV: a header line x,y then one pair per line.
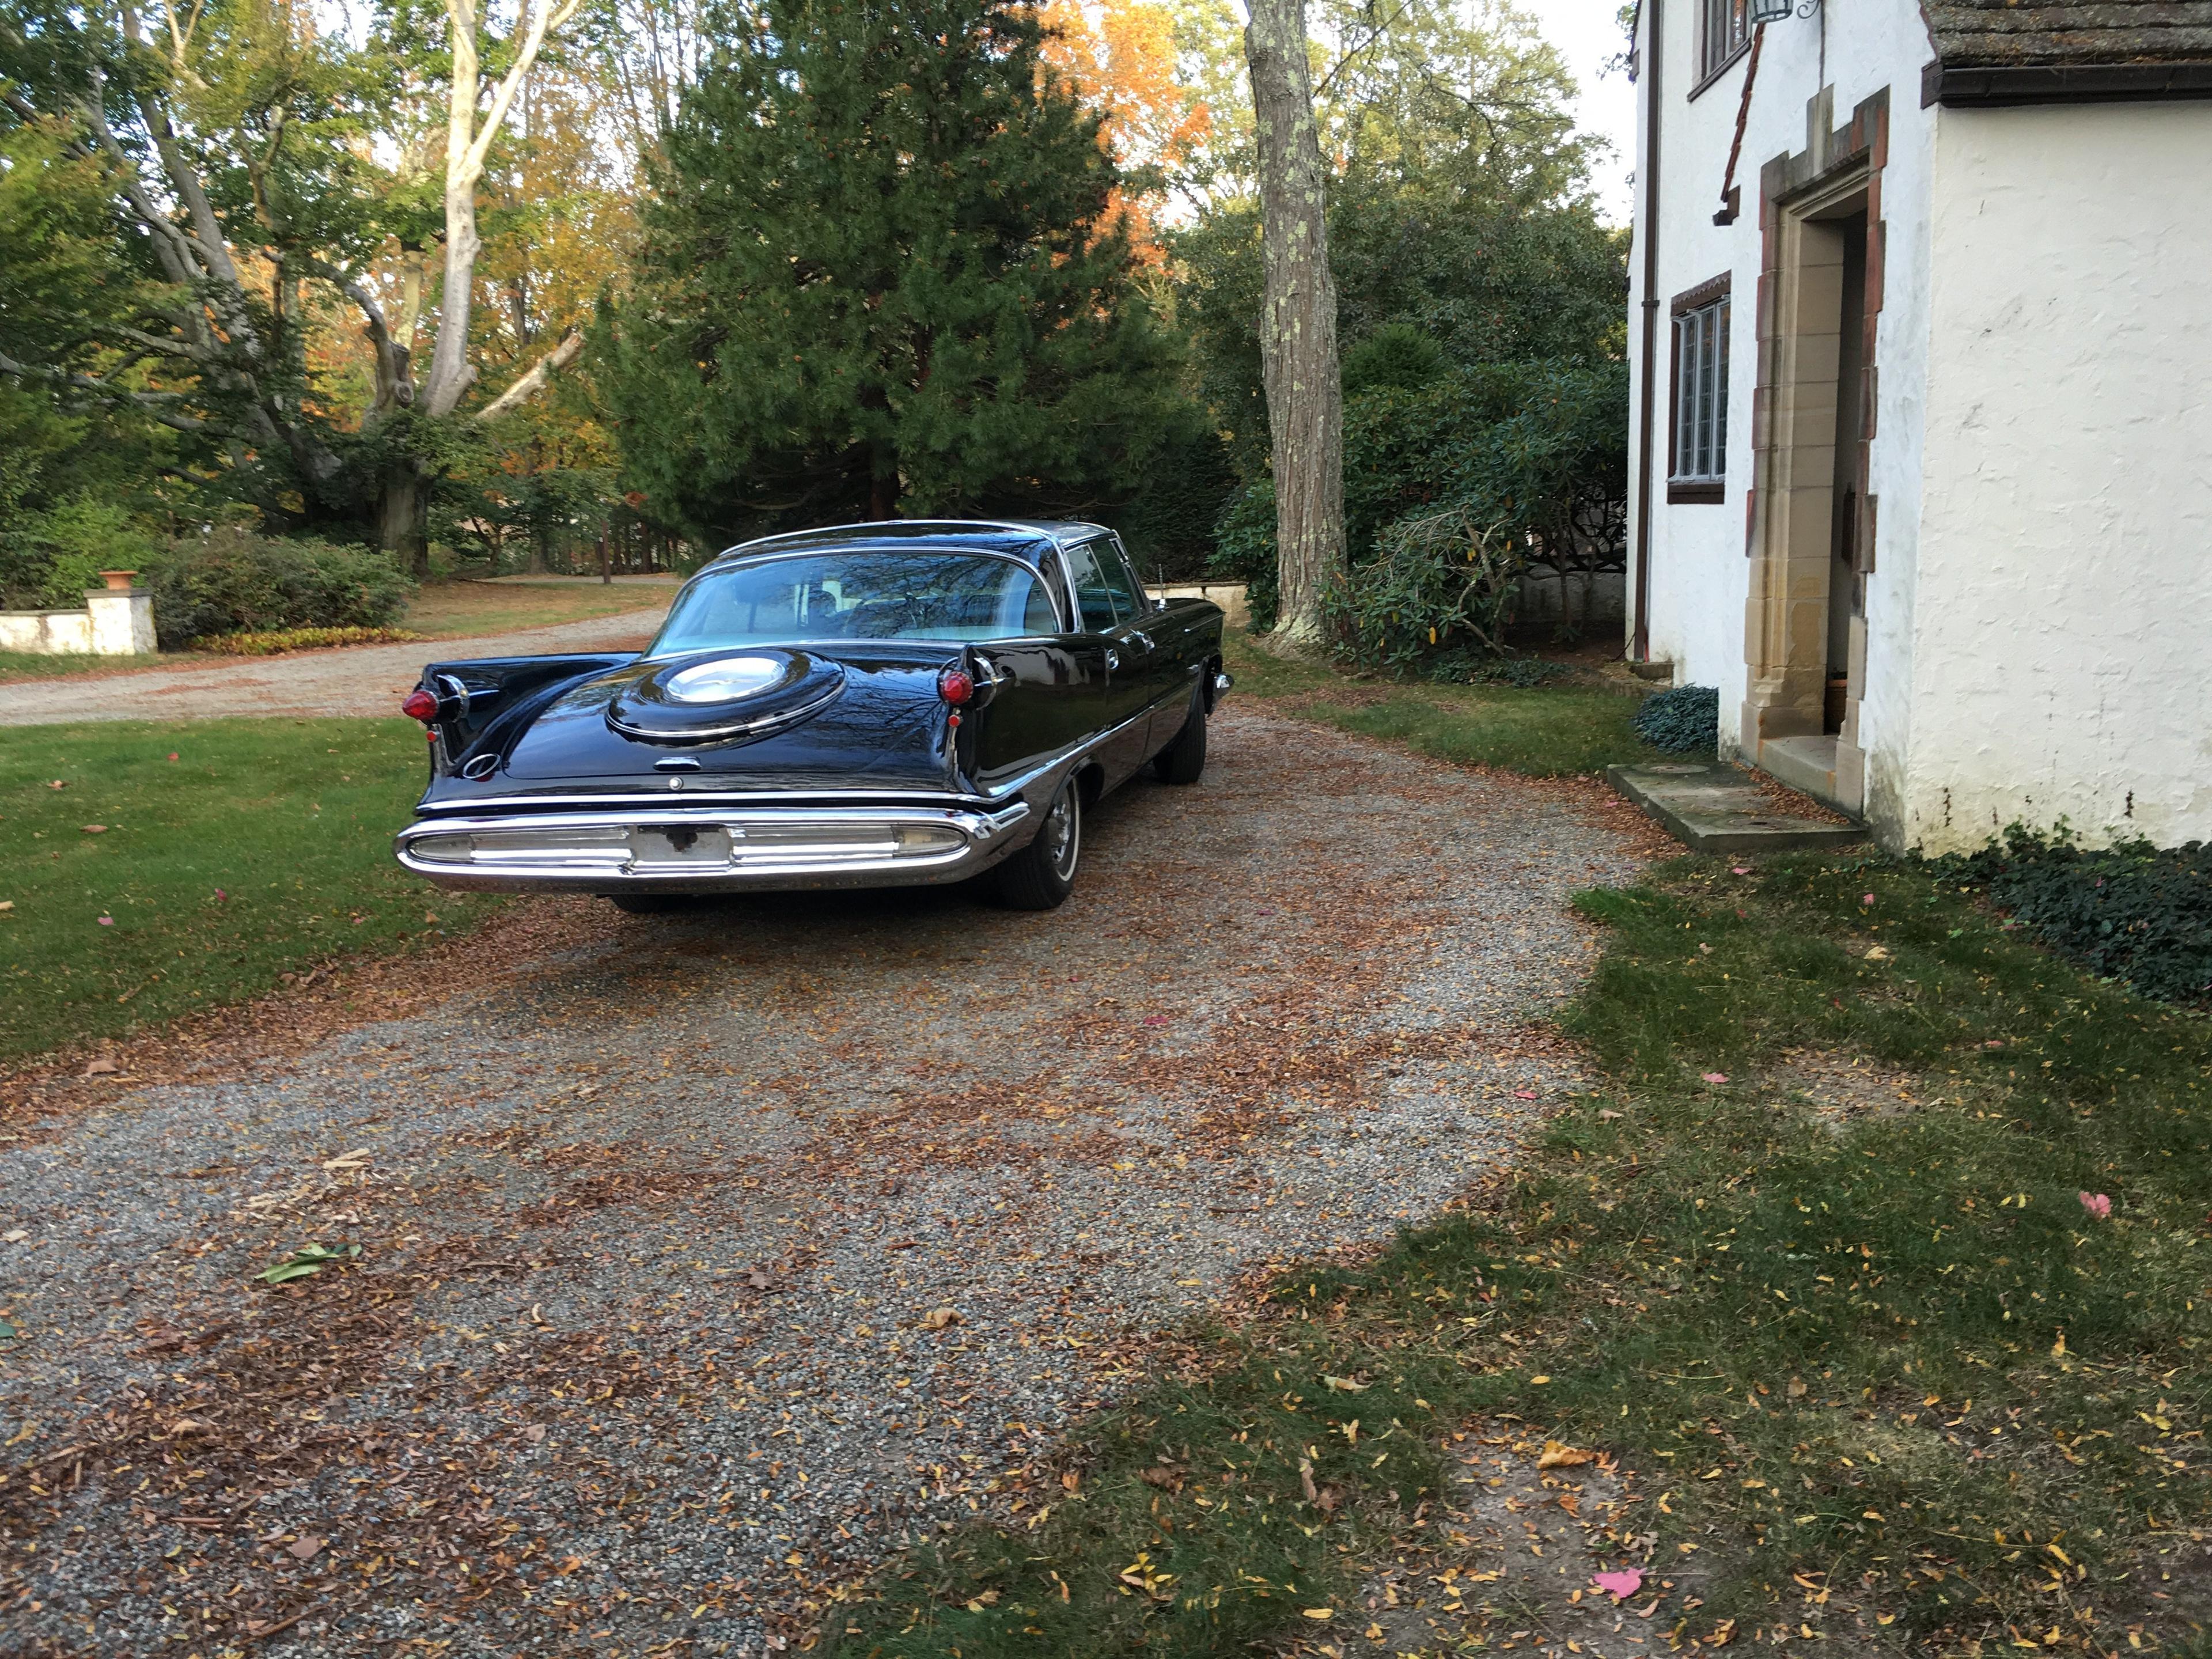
x,y
705,849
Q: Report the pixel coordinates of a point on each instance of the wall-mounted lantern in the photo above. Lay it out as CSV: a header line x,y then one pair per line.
x,y
1771,11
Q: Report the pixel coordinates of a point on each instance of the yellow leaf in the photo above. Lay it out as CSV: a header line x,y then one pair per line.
x,y
1321,1613
1557,1455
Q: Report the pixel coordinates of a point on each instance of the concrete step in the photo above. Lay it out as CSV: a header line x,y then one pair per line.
x,y
1713,807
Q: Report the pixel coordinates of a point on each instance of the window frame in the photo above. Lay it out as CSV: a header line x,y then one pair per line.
x,y
1717,57
1710,307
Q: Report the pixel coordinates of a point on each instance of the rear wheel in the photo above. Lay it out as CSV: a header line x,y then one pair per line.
x,y
1041,875
1183,760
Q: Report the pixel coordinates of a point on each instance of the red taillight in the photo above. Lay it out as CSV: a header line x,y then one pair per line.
x,y
956,686
420,706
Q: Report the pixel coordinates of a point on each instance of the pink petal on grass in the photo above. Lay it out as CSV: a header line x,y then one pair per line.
x,y
1866,898
1715,1076
1620,1585
1524,1094
1156,1019
1739,869
2098,1205
107,922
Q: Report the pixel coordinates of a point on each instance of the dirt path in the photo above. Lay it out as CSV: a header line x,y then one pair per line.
x,y
359,680
703,1259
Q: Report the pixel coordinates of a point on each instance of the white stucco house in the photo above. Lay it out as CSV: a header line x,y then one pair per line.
x,y
1921,352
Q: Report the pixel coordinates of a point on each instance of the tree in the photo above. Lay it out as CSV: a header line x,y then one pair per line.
x,y
1298,326
882,273
234,142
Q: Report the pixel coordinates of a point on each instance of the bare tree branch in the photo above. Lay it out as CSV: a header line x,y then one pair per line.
x,y
534,380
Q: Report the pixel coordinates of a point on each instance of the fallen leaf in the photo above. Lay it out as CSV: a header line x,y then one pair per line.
x,y
1739,869
352,1160
305,1548
1797,1389
173,754
14,1236
93,829
938,1319
57,784
107,922
1620,1585
1876,953
1715,1076
1558,1454
1524,1094
758,1280
534,1433
1606,1115
1866,898
1156,1019
903,1245
102,1067
6,904
1344,1384
1319,1613
2098,1205
304,1262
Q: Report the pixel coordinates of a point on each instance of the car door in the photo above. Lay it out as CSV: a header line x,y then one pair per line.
x,y
1115,608
1164,668
1049,689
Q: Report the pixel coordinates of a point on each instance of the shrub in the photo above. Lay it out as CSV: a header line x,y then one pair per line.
x,y
2130,912
1681,721
1440,583
234,581
298,639
50,559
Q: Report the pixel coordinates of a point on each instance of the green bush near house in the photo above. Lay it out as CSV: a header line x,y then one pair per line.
x,y
1681,721
235,580
2131,912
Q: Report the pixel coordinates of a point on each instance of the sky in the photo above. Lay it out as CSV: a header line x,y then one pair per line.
x,y
1586,33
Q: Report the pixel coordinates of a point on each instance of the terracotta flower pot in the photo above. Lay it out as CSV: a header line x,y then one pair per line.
x,y
118,581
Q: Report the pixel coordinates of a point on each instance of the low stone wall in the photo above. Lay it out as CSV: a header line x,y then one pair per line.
x,y
1230,596
113,623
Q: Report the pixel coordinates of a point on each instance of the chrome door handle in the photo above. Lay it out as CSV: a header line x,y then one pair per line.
x,y
1113,660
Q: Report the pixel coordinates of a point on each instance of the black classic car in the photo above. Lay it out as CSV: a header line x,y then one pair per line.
x,y
872,705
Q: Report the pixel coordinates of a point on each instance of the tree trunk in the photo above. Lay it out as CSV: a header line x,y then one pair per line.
x,y
403,518
1298,328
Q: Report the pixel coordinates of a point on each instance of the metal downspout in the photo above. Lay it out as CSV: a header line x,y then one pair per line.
x,y
1640,651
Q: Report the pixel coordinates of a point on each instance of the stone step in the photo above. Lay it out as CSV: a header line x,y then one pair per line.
x,y
1713,807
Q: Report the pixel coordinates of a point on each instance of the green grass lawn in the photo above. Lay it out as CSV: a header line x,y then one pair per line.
x,y
1883,1373
446,611
1544,731
37,665
263,846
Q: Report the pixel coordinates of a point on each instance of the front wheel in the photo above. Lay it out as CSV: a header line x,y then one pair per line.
x,y
1041,875
1184,760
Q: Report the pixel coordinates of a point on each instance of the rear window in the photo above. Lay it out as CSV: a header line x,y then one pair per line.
x,y
858,596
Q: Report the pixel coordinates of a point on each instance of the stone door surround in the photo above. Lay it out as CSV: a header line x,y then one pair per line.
x,y
1789,519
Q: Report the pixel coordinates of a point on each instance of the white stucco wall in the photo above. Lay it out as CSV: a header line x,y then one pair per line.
x,y
1700,575
2065,577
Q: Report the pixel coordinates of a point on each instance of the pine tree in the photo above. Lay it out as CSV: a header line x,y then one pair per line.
x,y
881,275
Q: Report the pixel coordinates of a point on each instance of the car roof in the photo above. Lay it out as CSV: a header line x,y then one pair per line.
x,y
1025,539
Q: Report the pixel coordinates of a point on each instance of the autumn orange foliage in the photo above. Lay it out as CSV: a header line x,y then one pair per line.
x,y
1120,58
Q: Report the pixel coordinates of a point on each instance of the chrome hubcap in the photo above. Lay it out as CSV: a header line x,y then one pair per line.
x,y
1061,833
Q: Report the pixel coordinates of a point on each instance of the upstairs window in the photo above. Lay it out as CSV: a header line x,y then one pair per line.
x,y
1699,468
1723,30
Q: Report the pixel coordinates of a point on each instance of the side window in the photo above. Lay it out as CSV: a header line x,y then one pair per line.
x,y
1094,579
1056,576
1132,584
1129,601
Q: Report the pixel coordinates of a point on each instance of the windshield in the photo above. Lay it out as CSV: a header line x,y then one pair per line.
x,y
858,596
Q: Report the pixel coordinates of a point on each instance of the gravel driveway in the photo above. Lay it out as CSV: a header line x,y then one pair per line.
x,y
702,1259
367,679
